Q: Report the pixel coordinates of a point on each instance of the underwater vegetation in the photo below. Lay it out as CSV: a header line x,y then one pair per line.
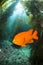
x,y
16,19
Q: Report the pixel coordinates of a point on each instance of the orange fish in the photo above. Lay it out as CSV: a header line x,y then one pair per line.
x,y
24,38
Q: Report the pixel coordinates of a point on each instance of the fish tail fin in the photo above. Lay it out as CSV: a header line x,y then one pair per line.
x,y
35,35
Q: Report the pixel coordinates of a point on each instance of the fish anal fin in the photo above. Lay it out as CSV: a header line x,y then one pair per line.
x,y
31,41
23,45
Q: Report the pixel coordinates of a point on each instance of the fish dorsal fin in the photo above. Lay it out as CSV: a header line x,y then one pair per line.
x,y
30,31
